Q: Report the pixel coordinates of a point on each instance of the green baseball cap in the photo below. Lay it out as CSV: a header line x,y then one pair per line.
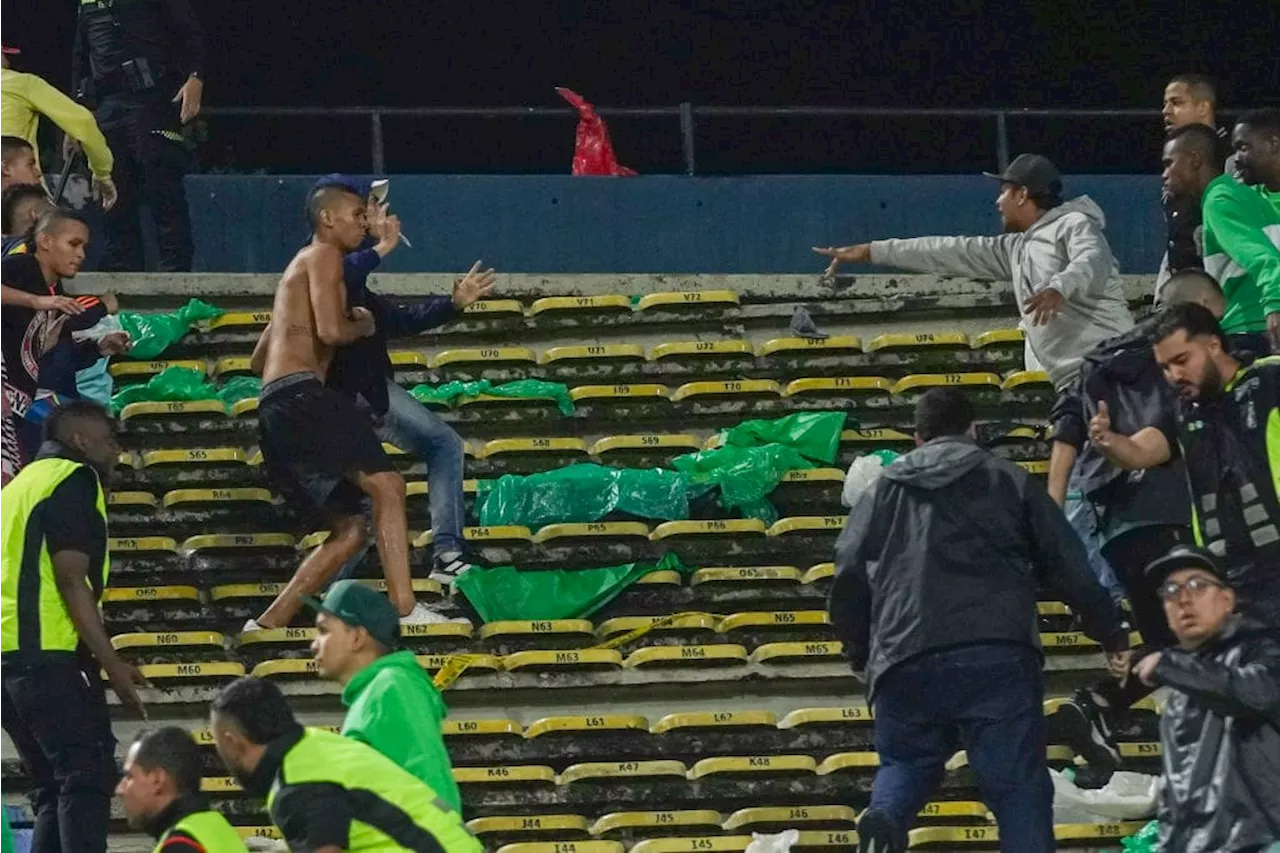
x,y
360,607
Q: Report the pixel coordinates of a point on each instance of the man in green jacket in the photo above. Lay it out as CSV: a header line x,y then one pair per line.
x,y
391,703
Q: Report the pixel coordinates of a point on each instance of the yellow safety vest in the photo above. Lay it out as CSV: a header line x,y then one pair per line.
x,y
210,830
33,616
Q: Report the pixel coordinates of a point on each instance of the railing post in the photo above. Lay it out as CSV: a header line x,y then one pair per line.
x,y
378,155
1002,141
686,137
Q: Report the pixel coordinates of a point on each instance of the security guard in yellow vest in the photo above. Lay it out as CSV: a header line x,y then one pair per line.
x,y
53,567
327,793
160,792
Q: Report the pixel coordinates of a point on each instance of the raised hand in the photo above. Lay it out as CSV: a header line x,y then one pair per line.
x,y
473,286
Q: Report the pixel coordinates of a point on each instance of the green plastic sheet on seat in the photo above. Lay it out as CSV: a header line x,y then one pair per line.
x,y
1145,840
182,384
744,476
506,593
585,493
521,389
812,434
152,334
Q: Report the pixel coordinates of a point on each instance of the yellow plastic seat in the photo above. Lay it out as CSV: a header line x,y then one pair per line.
x,y
703,844
496,308
811,839
713,721
858,763
148,594
482,357
815,621
139,546
621,771
1000,338
703,349
198,641
183,409
662,577
780,818
754,765
239,543
579,726
620,393
827,651
120,500
965,381
874,439
749,575
563,847
147,369
475,729
476,664
608,353
1146,749
533,447
917,341
1027,380
247,832
286,668
232,366
1067,641
732,389
819,573
819,717
203,671
526,774
584,306
837,344
945,837
839,386
568,660
814,475
195,456
216,497
591,531
1103,833
955,810
496,535
222,785
649,824
244,407
300,637
551,826
555,631
692,626
803,525
622,444
239,320
668,300
736,528
1035,467
685,657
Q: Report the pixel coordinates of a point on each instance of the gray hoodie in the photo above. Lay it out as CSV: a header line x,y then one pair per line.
x,y
1066,250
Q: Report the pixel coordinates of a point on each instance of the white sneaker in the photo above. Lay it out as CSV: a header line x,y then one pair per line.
x,y
421,614
251,625
447,568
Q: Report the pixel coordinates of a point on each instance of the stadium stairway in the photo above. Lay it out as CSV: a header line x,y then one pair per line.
x,y
728,710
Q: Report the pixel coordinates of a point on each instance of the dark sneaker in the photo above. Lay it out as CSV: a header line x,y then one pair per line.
x,y
1084,727
878,834
447,568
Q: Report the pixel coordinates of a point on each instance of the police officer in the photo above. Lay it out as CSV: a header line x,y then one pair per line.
x,y
326,792
53,544
160,792
139,63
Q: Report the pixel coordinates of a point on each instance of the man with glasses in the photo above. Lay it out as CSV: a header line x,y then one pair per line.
x,y
1220,735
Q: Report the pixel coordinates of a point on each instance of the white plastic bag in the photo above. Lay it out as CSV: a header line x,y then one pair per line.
x,y
780,843
1128,796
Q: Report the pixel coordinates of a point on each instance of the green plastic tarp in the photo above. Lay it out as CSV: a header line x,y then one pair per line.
x,y
812,434
521,389
585,493
745,476
506,593
181,384
1145,840
152,334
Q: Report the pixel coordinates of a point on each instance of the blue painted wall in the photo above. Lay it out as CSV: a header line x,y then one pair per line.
x,y
657,224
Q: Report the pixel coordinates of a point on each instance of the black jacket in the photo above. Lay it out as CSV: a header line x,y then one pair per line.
x,y
947,549
1220,735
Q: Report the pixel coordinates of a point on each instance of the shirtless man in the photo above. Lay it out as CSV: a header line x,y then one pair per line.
x,y
318,448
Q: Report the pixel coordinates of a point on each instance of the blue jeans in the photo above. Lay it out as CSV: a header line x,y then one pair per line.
x,y
1083,519
418,431
986,699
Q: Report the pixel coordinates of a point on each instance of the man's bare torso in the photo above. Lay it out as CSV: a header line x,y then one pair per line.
x,y
293,343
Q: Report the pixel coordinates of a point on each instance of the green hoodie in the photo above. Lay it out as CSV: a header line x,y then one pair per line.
x,y
1242,251
394,708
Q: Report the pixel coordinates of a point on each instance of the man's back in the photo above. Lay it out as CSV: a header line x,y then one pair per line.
x,y
293,341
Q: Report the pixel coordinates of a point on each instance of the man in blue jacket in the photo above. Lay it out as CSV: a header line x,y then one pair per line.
x,y
363,370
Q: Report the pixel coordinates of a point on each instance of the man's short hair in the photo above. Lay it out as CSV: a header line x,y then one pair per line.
x,y
1191,285
1047,199
53,220
323,195
172,750
1200,86
12,146
258,709
66,418
1201,139
1195,320
14,196
943,411
1266,121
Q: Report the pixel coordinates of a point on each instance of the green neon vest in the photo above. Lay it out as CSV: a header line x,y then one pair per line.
x,y
210,829
33,616
376,782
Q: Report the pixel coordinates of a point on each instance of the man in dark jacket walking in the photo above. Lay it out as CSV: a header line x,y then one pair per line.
x,y
1220,734
935,596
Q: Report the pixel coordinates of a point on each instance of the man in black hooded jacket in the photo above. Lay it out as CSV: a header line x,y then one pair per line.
x,y
937,572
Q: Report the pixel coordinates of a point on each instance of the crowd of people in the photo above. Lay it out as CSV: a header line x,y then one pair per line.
x,y
1166,460
938,568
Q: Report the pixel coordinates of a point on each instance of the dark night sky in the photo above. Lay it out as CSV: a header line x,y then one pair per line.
x,y
1082,53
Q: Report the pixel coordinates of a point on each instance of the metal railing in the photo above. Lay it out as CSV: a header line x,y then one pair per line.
x,y
687,114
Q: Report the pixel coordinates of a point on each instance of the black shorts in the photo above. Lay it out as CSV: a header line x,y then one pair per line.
x,y
314,441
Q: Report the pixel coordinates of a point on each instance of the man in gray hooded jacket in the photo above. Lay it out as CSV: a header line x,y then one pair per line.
x,y
934,597
1064,275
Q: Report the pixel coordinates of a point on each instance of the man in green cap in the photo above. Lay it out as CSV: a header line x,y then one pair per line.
x,y
391,703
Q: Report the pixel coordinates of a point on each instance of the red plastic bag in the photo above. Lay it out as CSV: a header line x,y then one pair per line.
x,y
592,150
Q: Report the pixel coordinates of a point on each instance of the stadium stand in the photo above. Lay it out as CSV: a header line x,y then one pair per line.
x,y
737,716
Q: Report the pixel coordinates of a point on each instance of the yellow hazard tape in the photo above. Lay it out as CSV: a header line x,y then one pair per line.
x,y
458,664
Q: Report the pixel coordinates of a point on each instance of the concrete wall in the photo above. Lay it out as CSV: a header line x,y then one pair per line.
x,y
651,224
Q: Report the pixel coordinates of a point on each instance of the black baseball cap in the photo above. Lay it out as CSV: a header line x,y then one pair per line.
x,y
1185,557
360,607
1033,171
